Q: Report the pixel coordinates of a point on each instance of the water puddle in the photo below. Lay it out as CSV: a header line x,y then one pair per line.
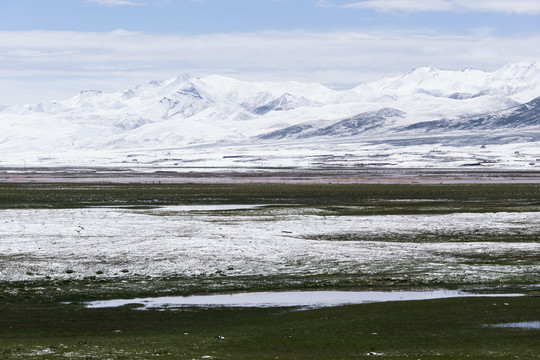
x,y
215,207
184,208
304,299
519,325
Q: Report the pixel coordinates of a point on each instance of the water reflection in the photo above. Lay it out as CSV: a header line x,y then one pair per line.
x,y
521,325
306,299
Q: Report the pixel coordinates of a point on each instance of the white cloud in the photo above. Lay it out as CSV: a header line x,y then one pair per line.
x,y
403,5
530,7
113,2
43,65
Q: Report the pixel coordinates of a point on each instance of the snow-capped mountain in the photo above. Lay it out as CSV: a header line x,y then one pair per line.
x,y
518,81
520,116
426,106
360,124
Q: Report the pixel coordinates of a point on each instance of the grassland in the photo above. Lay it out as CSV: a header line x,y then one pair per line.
x,y
382,197
35,324
438,329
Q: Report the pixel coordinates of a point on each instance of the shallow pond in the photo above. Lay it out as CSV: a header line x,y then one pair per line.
x,y
306,299
212,207
520,325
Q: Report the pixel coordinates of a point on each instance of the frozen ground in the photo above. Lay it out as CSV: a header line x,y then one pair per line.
x,y
416,152
292,175
124,243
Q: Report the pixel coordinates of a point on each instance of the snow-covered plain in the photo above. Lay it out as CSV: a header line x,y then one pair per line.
x,y
218,121
124,243
330,153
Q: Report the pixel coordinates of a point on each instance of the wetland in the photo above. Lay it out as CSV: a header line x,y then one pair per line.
x,y
63,245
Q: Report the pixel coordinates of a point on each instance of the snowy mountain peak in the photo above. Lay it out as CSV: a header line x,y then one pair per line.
x,y
517,82
180,82
180,79
128,94
422,71
522,65
283,103
155,83
518,71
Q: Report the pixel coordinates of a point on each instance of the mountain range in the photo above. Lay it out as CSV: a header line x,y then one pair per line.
x,y
468,115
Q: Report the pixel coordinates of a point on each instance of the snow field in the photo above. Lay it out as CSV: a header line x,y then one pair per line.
x,y
121,243
306,155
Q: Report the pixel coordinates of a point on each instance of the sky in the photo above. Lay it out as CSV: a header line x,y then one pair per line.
x,y
55,48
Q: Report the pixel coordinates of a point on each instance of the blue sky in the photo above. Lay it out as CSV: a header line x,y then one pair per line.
x,y
219,16
54,48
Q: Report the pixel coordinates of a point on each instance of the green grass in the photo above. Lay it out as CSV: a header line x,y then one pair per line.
x,y
442,237
435,329
52,291
476,197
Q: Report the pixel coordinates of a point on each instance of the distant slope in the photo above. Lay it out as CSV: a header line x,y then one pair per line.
x,y
356,125
526,115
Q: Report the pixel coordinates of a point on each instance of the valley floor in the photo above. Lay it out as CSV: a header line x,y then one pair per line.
x,y
62,244
265,175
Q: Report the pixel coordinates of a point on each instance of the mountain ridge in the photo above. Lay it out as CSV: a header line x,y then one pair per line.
x,y
524,115
216,111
